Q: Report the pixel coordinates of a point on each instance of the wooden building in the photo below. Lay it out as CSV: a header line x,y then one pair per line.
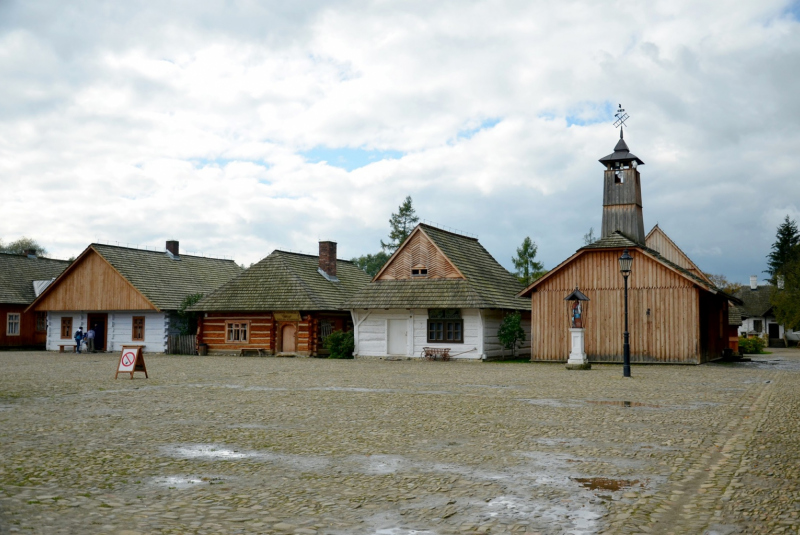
x,y
22,278
287,303
676,315
129,296
438,290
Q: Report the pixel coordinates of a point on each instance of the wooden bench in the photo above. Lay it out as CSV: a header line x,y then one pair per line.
x,y
253,351
434,353
62,346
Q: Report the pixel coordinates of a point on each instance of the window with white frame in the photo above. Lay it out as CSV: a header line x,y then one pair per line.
x,y
12,324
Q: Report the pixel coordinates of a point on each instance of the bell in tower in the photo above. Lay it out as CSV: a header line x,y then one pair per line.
x,y
622,194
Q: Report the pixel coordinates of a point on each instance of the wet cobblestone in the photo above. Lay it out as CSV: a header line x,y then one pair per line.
x,y
305,446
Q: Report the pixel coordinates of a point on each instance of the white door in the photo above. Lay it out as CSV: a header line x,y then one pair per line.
x,y
398,337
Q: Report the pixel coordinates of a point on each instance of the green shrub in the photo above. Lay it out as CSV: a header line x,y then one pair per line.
x,y
341,344
511,334
752,346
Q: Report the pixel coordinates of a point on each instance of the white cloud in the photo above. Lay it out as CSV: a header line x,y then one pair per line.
x,y
137,123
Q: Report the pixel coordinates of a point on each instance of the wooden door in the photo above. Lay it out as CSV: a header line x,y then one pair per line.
x,y
288,335
398,337
99,322
774,330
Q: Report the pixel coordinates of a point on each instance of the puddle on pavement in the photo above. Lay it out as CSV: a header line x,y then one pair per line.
x,y
603,483
174,482
551,402
209,452
624,404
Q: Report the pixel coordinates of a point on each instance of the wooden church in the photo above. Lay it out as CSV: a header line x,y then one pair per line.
x,y
676,315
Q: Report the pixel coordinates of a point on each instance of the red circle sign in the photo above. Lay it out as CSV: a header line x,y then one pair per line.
x,y
128,358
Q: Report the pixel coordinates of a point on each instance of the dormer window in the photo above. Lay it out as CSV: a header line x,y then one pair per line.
x,y
419,271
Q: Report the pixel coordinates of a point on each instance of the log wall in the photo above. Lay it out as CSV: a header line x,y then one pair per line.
x,y
265,331
28,335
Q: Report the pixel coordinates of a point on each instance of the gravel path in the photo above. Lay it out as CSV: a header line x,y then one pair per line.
x,y
305,446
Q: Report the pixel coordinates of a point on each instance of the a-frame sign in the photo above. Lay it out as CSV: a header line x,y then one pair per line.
x,y
131,360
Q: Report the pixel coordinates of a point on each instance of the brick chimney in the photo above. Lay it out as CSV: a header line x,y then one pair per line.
x,y
30,253
173,247
327,257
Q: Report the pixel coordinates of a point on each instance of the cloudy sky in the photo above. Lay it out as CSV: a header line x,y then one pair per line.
x,y
238,127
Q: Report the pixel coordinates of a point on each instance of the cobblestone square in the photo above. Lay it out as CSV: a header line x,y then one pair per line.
x,y
305,446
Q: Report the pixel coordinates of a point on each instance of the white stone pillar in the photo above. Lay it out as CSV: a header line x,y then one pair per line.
x,y
577,357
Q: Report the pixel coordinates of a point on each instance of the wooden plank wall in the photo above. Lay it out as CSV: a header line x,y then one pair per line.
x,y
420,251
27,334
659,241
93,285
669,333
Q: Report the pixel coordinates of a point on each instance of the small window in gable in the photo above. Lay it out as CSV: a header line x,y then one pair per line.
x,y
419,271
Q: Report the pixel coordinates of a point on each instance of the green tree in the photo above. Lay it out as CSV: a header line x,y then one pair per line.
x,y
528,269
511,333
371,263
785,249
187,321
786,302
21,245
589,238
402,223
722,282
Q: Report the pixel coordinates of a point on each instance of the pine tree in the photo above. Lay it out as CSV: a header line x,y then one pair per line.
x,y
402,223
784,249
528,269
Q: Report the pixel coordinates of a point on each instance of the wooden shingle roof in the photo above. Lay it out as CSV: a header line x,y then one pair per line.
x,y
756,303
486,283
165,280
17,273
286,281
617,240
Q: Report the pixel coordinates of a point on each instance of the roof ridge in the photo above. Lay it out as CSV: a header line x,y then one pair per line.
x,y
426,225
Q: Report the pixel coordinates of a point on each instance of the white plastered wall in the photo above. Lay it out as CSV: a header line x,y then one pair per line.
x,y
120,329
371,327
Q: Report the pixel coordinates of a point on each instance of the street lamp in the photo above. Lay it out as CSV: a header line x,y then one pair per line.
x,y
625,262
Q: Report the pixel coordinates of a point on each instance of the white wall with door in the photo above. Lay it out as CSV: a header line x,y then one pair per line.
x,y
146,328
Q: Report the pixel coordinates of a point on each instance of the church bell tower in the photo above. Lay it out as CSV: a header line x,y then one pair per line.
x,y
622,193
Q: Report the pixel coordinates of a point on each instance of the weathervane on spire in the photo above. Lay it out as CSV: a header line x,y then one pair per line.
x,y
621,117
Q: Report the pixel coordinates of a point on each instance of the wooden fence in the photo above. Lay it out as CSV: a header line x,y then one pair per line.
x,y
181,344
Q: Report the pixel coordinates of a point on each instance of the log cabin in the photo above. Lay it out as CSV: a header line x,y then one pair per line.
x,y
286,304
439,290
676,315
22,278
129,296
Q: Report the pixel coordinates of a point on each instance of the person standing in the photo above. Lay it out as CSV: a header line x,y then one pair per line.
x,y
78,339
90,340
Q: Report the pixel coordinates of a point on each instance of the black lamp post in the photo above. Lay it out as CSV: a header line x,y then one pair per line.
x,y
625,262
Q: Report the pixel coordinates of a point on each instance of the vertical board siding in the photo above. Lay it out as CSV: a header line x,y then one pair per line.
x,y
93,285
660,242
419,251
28,336
670,333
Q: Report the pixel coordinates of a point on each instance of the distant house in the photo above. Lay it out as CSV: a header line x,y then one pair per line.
x,y
22,278
758,318
676,315
129,296
439,290
287,303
